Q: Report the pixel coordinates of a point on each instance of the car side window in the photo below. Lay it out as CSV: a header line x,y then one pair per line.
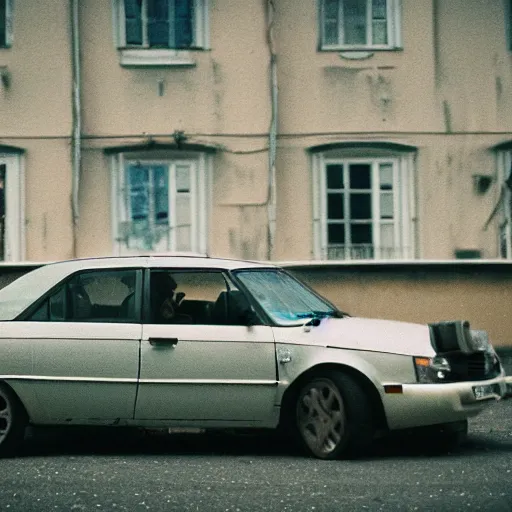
x,y
94,296
52,309
195,297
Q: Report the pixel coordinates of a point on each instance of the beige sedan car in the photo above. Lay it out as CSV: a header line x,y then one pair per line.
x,y
165,342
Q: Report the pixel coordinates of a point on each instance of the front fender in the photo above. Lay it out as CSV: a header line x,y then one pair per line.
x,y
294,361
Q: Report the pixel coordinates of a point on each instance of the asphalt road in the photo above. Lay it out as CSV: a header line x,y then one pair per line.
x,y
111,470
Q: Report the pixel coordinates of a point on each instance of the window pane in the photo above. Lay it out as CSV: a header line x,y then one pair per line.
x,y
184,16
380,32
158,34
331,10
335,206
360,206
102,296
330,33
138,179
386,176
56,303
386,205
354,21
281,296
182,210
133,21
40,314
158,23
183,239
387,238
183,222
361,233
360,176
182,178
379,9
336,234
161,186
334,176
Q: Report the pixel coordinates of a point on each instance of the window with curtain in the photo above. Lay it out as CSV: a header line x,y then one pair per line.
x,y
160,204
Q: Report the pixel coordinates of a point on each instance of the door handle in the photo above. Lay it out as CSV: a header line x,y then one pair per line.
x,y
163,341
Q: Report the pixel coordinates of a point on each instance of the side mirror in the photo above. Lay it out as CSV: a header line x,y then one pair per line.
x,y
249,317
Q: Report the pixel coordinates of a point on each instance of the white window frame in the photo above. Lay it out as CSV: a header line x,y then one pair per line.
x,y
8,25
394,30
146,56
200,163
505,217
14,234
404,204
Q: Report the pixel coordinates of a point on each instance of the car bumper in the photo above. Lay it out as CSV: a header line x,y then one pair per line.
x,y
508,380
429,404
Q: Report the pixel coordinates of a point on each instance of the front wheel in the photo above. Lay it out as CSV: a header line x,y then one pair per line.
x,y
12,421
333,417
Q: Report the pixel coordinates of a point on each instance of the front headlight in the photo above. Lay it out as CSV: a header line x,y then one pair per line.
x,y
431,369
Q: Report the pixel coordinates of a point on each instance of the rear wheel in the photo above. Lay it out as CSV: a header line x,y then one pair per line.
x,y
12,422
333,417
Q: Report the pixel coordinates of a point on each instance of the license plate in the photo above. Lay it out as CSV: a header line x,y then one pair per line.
x,y
486,391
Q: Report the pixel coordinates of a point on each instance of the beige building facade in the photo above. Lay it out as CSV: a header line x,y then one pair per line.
x,y
264,129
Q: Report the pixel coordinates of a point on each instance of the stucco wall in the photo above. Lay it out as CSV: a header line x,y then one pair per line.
x,y
226,91
37,101
447,92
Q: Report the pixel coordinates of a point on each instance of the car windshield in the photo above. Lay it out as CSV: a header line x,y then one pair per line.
x,y
18,295
286,300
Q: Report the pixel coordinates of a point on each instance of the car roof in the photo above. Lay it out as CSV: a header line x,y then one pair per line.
x,y
163,261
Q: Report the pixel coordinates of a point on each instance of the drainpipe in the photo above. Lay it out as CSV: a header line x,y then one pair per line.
x,y
77,120
272,143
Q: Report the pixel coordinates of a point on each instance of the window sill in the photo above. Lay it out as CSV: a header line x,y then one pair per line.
x,y
134,57
358,55
360,49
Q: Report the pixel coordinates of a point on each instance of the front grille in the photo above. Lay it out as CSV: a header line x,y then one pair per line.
x,y
474,366
477,364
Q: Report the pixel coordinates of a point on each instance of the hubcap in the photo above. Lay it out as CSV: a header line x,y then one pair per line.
x,y
5,416
321,417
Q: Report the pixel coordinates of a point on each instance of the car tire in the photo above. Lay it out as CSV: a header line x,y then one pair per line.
x,y
13,421
333,417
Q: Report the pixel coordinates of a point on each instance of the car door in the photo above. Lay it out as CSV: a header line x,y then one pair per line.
x,y
204,365
84,340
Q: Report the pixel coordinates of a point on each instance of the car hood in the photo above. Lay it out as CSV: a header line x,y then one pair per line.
x,y
368,334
